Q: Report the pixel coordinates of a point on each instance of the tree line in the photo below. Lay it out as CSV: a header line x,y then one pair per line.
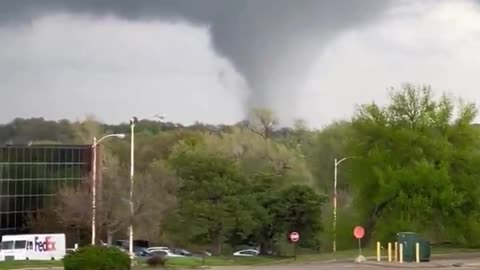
x,y
416,168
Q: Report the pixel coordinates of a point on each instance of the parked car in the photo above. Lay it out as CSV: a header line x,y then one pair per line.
x,y
137,251
150,249
181,251
165,253
246,253
143,253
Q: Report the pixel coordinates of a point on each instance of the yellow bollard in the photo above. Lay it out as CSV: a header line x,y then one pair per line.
x,y
389,252
417,252
400,254
396,252
378,252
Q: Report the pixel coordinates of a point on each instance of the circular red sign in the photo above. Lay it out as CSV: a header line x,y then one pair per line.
x,y
294,236
359,232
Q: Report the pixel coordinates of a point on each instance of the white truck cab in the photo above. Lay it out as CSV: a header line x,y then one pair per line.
x,y
33,247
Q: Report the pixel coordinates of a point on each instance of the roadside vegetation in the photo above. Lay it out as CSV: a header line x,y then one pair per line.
x,y
415,167
197,262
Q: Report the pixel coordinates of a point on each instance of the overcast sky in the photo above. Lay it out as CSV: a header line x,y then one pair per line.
x,y
213,60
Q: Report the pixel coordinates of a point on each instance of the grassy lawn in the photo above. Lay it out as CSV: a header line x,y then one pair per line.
x,y
194,262
190,262
25,264
450,250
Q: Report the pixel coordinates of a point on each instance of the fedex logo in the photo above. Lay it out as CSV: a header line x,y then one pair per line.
x,y
42,246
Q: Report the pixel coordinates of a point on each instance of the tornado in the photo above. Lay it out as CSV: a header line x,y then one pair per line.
x,y
271,42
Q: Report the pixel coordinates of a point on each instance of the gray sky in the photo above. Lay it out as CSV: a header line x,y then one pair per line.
x,y
212,60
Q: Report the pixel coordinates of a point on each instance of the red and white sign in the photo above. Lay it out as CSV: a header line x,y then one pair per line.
x,y
294,236
359,232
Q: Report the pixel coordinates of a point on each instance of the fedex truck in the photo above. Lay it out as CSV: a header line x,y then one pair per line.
x,y
33,247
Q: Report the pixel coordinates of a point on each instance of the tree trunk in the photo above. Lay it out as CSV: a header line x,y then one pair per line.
x,y
219,244
369,227
109,237
372,219
265,248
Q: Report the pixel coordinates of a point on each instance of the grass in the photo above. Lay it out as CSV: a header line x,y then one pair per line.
x,y
190,262
29,264
194,262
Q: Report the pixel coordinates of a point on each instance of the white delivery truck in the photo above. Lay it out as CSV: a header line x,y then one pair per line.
x,y
33,247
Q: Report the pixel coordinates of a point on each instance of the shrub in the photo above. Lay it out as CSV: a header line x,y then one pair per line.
x,y
97,258
156,261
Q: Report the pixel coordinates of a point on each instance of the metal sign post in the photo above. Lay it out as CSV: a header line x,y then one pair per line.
x,y
359,233
294,238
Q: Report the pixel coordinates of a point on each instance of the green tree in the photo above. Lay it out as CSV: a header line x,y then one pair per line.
x,y
419,166
283,210
209,198
299,209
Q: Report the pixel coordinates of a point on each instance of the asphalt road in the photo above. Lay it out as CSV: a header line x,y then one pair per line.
x,y
446,265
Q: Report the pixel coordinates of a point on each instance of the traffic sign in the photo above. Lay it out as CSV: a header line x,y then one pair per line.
x,y
294,237
359,232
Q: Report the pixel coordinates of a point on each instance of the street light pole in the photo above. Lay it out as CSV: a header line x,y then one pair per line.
x,y
94,189
335,173
133,121
94,180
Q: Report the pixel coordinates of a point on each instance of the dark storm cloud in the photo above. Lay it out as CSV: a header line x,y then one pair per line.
x,y
271,42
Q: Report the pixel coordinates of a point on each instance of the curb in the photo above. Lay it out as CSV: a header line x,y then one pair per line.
x,y
407,265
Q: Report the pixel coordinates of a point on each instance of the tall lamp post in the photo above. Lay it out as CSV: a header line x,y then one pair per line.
x,y
94,179
336,163
133,121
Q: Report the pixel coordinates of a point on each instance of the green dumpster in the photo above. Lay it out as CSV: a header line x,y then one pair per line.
x,y
425,251
409,241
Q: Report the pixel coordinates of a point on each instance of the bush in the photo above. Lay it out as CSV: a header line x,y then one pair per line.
x,y
156,261
97,258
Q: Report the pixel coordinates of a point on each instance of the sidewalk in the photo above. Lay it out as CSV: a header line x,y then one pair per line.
x,y
431,264
406,265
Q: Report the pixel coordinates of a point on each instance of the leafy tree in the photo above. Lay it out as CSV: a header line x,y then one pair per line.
x,y
280,210
25,131
299,210
419,165
218,204
418,169
256,155
153,197
209,197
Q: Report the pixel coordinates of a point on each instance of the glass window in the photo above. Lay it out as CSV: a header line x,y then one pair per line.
x,y
160,253
20,244
7,245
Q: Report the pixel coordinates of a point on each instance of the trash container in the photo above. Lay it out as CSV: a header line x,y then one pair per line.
x,y
409,241
425,251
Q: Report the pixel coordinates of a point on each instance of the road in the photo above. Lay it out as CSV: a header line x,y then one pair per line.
x,y
370,266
